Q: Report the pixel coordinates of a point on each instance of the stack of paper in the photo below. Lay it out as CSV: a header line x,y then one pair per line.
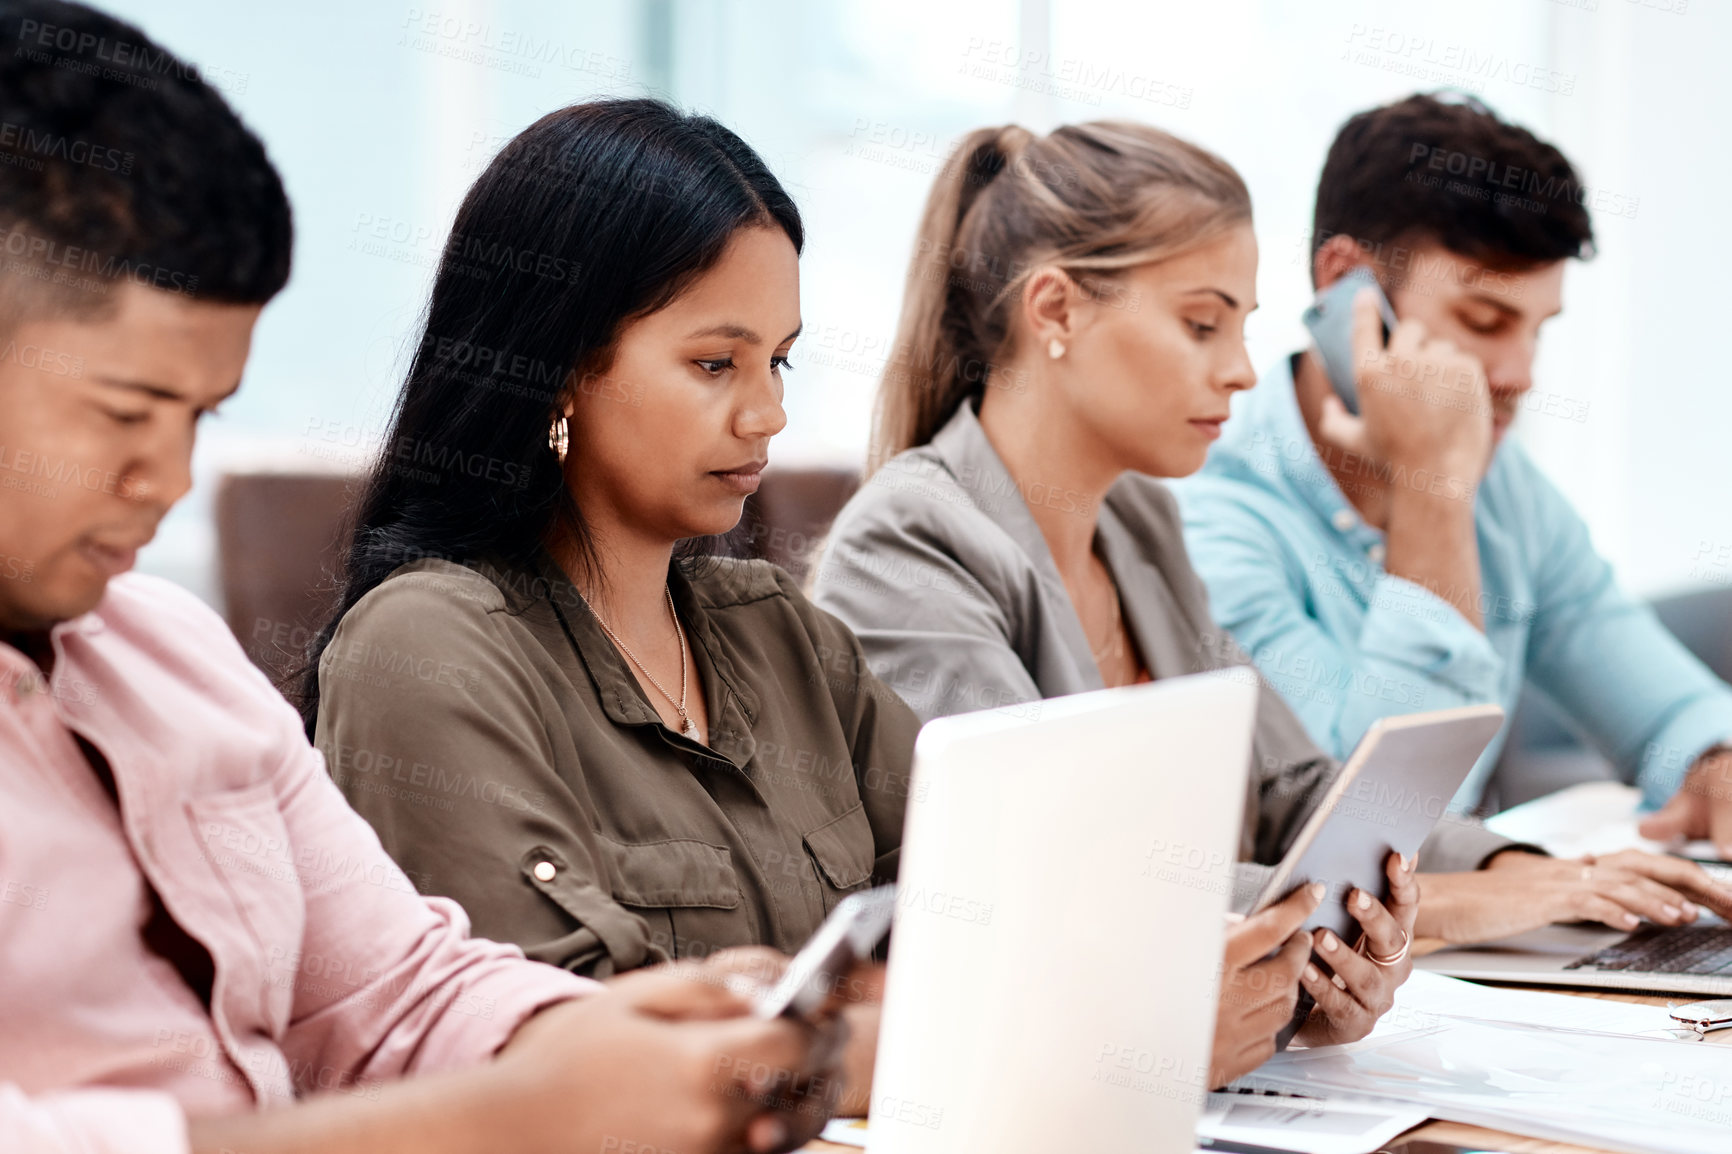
x,y
1548,1065
1300,1125
1594,817
1304,1125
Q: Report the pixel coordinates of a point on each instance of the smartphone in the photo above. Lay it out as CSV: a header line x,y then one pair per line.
x,y
1330,319
848,936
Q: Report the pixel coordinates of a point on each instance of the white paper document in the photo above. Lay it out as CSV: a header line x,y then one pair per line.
x,y
1533,1070
1427,997
1593,817
845,1131
1304,1125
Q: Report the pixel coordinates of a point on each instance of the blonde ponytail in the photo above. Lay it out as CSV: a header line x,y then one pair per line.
x,y
927,374
1092,199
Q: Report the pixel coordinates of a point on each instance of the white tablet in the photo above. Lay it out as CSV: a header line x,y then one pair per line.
x,y
1388,796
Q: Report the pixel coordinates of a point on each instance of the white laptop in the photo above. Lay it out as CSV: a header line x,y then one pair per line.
x,y
1694,959
1059,920
1597,817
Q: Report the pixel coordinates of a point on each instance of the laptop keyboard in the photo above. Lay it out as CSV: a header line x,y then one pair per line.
x,y
1666,950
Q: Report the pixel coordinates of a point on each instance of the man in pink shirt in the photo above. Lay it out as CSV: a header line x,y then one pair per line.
x,y
193,924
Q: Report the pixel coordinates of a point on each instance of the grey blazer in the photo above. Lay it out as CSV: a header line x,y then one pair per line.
x,y
939,568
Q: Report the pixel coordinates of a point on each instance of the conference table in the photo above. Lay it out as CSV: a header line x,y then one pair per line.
x,y
1455,1133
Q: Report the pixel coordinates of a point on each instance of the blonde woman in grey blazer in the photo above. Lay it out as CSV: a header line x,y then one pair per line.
x,y
1072,329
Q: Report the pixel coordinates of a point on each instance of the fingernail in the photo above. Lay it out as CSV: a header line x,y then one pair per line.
x,y
1689,909
1363,901
1318,890
1410,861
1339,984
1631,920
1312,973
1328,943
1673,913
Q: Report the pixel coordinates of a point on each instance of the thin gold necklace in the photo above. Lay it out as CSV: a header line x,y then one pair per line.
x,y
687,726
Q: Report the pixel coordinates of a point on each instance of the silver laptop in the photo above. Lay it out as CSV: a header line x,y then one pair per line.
x,y
1694,959
1058,929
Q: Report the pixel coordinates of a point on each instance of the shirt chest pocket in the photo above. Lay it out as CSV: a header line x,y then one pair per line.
x,y
256,944
685,892
842,854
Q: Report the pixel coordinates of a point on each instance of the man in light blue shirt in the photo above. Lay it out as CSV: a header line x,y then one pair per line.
x,y
1405,558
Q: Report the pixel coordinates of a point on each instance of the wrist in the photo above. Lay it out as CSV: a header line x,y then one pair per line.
x,y
1431,496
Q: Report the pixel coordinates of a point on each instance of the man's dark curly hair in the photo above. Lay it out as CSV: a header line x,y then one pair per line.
x,y
119,162
1450,170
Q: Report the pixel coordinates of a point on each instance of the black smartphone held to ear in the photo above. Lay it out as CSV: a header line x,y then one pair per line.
x,y
847,937
1330,319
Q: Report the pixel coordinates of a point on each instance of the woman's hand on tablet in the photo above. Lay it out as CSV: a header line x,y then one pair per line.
x,y
1520,891
1360,984
1258,992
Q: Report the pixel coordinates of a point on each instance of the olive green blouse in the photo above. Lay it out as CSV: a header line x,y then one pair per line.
x,y
484,724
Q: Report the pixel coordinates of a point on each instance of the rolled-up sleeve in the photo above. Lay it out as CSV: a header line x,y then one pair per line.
x,y
91,1121
386,737
388,982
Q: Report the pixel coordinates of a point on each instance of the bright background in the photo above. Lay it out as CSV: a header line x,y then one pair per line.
x,y
379,114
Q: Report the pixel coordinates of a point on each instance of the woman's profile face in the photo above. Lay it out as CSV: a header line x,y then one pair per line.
x,y
670,439
1152,372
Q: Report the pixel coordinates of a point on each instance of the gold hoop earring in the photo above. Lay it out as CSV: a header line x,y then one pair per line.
x,y
559,437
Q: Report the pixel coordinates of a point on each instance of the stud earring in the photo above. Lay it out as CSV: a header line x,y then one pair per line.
x,y
1055,348
559,437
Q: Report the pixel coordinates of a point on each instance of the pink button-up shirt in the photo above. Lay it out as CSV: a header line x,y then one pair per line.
x,y
331,972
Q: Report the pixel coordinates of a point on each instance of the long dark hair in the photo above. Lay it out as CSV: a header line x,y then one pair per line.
x,y
591,217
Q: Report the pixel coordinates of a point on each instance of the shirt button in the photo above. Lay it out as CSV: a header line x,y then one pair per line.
x,y
1343,520
1376,553
544,871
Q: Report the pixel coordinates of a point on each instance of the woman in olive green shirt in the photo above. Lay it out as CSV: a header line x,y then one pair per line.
x,y
609,754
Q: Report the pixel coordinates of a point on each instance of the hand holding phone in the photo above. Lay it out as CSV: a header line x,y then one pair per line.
x,y
1402,396
1330,319
846,938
